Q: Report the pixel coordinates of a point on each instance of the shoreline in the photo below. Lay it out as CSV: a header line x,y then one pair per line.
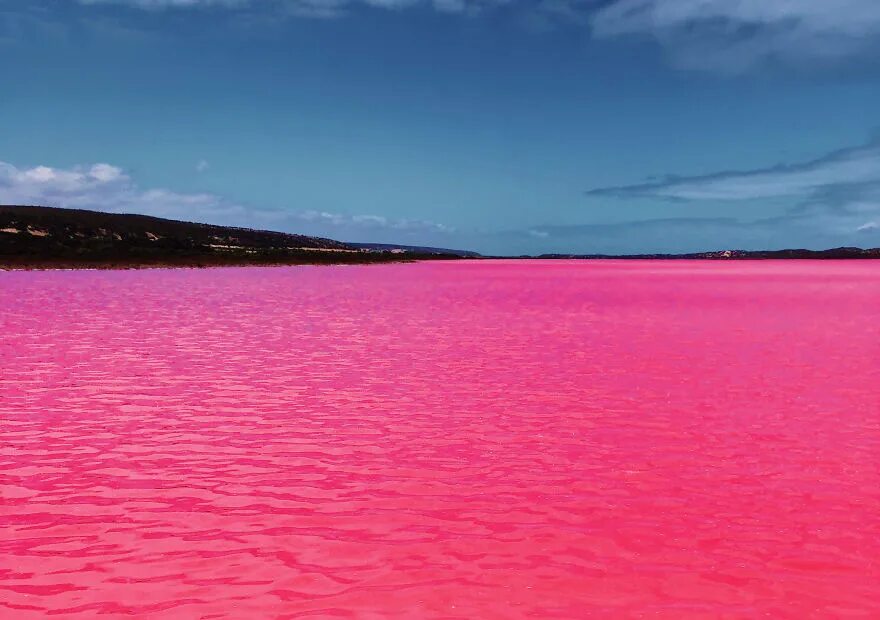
x,y
50,265
386,260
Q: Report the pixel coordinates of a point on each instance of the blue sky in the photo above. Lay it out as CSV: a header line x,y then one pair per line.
x,y
503,126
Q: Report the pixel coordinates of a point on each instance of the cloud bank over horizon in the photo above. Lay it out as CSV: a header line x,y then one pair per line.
x,y
104,187
840,206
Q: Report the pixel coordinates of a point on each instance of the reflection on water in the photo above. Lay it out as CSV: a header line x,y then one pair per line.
x,y
442,440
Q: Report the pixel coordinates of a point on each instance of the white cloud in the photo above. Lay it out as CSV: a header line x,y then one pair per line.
x,y
202,165
104,187
373,221
733,35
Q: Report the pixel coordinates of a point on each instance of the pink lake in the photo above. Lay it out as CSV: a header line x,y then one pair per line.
x,y
510,439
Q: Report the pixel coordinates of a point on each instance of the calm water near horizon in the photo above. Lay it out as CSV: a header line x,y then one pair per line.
x,y
503,439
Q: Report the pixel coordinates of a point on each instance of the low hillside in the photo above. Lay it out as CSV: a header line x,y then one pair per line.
x,y
32,236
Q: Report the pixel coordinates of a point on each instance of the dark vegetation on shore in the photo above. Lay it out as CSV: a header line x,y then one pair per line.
x,y
44,237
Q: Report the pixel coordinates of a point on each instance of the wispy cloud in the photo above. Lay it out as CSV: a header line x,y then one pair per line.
x,y
846,168
105,187
733,35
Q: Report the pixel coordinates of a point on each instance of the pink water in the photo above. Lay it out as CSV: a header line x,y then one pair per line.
x,y
442,440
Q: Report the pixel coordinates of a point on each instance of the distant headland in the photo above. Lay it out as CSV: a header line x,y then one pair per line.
x,y
35,237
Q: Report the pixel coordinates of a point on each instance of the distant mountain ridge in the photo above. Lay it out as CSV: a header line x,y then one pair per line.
x,y
48,236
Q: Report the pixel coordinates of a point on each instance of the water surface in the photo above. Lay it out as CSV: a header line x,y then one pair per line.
x,y
442,440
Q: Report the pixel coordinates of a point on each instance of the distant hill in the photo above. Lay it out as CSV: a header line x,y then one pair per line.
x,y
832,254
390,247
34,236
